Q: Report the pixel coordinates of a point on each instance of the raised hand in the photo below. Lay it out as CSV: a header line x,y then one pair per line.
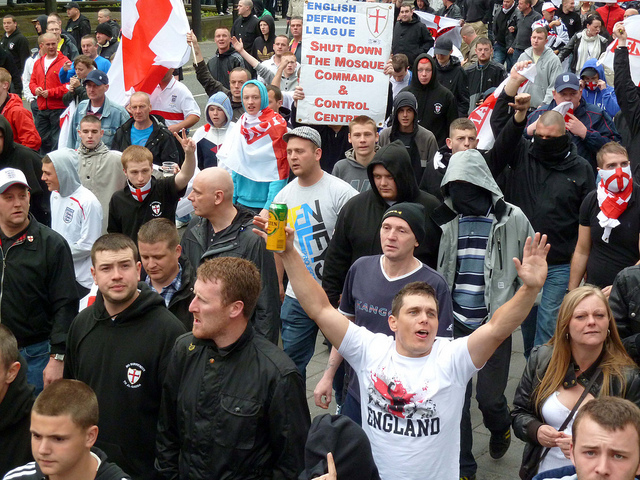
x,y
533,268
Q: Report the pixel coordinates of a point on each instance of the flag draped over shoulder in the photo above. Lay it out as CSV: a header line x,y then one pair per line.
x,y
255,149
481,116
632,26
66,119
154,39
441,27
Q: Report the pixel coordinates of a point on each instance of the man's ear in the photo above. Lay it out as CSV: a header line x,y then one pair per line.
x,y
393,323
12,372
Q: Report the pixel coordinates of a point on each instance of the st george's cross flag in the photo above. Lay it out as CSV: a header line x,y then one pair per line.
x,y
632,26
441,27
154,39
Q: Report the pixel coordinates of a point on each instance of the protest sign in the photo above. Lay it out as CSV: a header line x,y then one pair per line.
x,y
345,46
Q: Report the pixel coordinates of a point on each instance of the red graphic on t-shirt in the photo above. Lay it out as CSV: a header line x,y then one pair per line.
x,y
395,393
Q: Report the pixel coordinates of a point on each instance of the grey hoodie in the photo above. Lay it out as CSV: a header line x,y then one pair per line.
x,y
66,162
508,234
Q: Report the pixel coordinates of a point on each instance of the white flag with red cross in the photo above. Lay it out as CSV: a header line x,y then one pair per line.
x,y
481,116
442,27
632,26
154,39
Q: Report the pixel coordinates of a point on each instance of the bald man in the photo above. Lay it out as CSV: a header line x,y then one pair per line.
x,y
630,12
222,229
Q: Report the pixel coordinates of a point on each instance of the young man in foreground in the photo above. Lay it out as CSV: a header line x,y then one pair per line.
x,y
412,388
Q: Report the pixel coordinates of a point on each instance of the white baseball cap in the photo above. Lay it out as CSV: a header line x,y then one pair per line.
x,y
10,177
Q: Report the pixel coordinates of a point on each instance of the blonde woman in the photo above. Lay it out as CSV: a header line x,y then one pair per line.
x,y
585,345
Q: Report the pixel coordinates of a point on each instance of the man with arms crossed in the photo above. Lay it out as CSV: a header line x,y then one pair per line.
x,y
413,386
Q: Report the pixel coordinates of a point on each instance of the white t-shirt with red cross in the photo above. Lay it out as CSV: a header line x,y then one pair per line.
x,y
411,407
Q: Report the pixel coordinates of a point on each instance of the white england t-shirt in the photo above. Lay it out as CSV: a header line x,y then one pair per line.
x,y
411,407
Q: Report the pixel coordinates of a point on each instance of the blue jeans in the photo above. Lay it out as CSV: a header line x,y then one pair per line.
x,y
546,314
299,334
500,56
351,409
515,55
37,357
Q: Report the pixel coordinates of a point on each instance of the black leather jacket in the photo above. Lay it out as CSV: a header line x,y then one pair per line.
x,y
625,301
525,419
238,412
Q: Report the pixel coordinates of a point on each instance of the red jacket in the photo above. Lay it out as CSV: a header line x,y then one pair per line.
x,y
611,14
50,82
21,121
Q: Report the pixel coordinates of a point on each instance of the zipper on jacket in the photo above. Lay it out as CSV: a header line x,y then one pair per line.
x,y
4,267
500,253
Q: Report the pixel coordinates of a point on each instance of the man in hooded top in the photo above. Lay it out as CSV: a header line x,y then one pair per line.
x,y
357,230
451,74
209,137
595,89
420,142
553,205
259,166
26,160
76,213
475,216
437,106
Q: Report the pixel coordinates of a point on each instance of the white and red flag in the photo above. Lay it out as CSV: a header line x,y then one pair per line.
x,y
481,116
154,39
442,27
632,26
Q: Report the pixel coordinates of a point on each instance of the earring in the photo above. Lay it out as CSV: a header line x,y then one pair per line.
x,y
608,332
567,335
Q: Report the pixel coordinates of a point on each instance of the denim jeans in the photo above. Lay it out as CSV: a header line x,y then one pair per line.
x,y
299,334
515,55
48,125
351,408
492,381
37,357
500,56
546,314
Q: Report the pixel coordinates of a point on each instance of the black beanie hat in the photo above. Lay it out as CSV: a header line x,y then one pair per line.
x,y
413,214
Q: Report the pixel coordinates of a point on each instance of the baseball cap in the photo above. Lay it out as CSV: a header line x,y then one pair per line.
x,y
11,176
443,46
104,29
589,72
548,7
72,5
98,77
567,80
307,133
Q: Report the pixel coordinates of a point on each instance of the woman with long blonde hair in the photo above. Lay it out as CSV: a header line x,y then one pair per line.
x,y
585,345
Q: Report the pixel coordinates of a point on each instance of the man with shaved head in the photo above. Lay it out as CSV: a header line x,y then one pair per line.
x,y
222,229
548,180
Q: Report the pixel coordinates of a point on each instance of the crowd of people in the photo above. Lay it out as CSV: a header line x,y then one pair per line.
x,y
147,329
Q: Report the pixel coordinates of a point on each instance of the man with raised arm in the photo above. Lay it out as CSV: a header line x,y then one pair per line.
x,y
413,386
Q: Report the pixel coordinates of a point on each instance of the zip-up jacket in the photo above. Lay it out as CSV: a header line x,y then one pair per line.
x,y
22,124
106,470
411,38
18,46
50,82
235,413
161,142
238,240
605,99
507,237
38,298
453,77
501,24
222,63
548,67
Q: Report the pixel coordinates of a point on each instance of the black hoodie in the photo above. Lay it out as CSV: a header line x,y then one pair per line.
x,y
15,419
437,106
125,360
29,162
263,49
357,231
453,77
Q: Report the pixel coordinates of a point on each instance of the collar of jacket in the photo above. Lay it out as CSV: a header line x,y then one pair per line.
x,y
571,380
239,344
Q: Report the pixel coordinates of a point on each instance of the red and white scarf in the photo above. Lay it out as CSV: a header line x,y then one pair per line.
x,y
614,191
255,149
140,193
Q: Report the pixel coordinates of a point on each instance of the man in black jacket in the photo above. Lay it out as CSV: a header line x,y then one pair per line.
x,y
553,205
159,140
14,42
225,59
357,231
130,319
38,298
483,74
451,74
247,26
233,405
503,36
78,25
410,35
166,271
16,399
222,229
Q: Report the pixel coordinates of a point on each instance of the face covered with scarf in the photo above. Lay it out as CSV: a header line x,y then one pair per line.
x,y
614,189
469,199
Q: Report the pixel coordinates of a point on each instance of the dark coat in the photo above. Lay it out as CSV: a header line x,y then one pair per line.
x,y
161,142
453,77
628,95
411,38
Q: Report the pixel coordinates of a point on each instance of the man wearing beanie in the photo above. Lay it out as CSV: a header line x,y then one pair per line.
x,y
481,233
357,230
107,45
420,142
370,286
